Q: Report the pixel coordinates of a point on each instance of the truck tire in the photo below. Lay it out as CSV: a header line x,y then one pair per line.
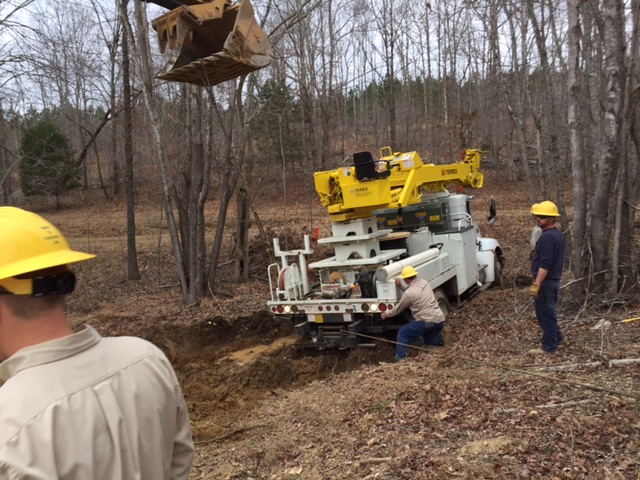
x,y
443,301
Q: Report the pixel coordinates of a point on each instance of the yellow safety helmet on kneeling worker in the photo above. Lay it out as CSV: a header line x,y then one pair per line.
x,y
545,209
29,243
408,272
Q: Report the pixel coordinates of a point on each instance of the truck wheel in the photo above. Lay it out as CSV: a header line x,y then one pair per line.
x,y
443,301
498,266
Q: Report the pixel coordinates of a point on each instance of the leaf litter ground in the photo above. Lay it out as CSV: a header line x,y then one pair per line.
x,y
264,406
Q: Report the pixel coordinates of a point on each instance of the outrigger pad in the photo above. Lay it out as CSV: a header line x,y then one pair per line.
x,y
217,42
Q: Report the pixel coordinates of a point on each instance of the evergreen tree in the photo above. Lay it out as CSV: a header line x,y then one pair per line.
x,y
47,166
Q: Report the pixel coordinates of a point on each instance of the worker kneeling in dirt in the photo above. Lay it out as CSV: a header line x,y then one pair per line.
x,y
426,319
75,404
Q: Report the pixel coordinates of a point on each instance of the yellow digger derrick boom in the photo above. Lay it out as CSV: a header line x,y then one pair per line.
x,y
395,180
215,41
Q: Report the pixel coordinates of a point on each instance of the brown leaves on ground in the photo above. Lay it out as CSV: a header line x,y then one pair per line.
x,y
264,406
468,410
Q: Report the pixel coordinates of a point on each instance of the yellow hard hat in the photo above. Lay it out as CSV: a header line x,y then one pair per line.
x,y
545,209
30,243
408,272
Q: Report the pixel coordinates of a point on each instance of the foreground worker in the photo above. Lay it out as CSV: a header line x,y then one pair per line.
x,y
546,269
426,319
76,405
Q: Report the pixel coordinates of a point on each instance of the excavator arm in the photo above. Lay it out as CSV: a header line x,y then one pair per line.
x,y
395,180
215,41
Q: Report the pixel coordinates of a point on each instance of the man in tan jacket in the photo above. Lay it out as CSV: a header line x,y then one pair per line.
x,y
75,405
426,319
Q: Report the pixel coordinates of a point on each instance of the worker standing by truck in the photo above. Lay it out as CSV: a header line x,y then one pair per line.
x,y
546,269
75,404
418,303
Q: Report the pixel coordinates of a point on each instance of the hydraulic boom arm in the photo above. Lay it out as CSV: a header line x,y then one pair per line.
x,y
395,180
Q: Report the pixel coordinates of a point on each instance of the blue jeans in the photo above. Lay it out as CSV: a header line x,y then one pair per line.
x,y
546,314
429,331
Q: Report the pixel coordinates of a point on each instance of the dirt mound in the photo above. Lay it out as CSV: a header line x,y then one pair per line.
x,y
226,367
215,336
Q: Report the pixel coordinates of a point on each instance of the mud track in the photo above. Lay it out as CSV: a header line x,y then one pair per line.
x,y
227,368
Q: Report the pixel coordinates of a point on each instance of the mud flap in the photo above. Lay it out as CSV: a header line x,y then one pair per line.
x,y
217,42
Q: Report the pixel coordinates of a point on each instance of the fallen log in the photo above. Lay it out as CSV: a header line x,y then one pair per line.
x,y
548,405
568,367
623,361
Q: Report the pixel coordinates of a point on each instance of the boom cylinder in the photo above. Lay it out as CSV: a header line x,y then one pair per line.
x,y
394,269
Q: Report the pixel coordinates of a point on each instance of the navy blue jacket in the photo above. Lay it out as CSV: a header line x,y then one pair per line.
x,y
549,254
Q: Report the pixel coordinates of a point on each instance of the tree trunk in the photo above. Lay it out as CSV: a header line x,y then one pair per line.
x,y
550,109
515,105
230,176
161,160
115,164
614,50
191,195
229,182
133,272
623,258
5,164
580,247
243,223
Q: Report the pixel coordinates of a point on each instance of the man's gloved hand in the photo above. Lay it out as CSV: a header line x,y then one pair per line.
x,y
534,289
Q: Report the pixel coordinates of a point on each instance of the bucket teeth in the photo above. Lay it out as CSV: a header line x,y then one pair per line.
x,y
217,42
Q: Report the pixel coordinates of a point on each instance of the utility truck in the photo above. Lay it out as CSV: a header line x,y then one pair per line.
x,y
385,214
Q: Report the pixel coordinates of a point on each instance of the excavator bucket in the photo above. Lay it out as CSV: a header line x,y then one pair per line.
x,y
216,41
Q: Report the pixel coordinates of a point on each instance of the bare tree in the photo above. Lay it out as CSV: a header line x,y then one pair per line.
x,y
132,253
388,25
140,46
8,156
614,51
11,29
231,159
111,32
576,126
549,104
352,75
515,91
624,270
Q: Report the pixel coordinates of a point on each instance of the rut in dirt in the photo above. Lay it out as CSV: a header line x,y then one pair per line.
x,y
228,367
